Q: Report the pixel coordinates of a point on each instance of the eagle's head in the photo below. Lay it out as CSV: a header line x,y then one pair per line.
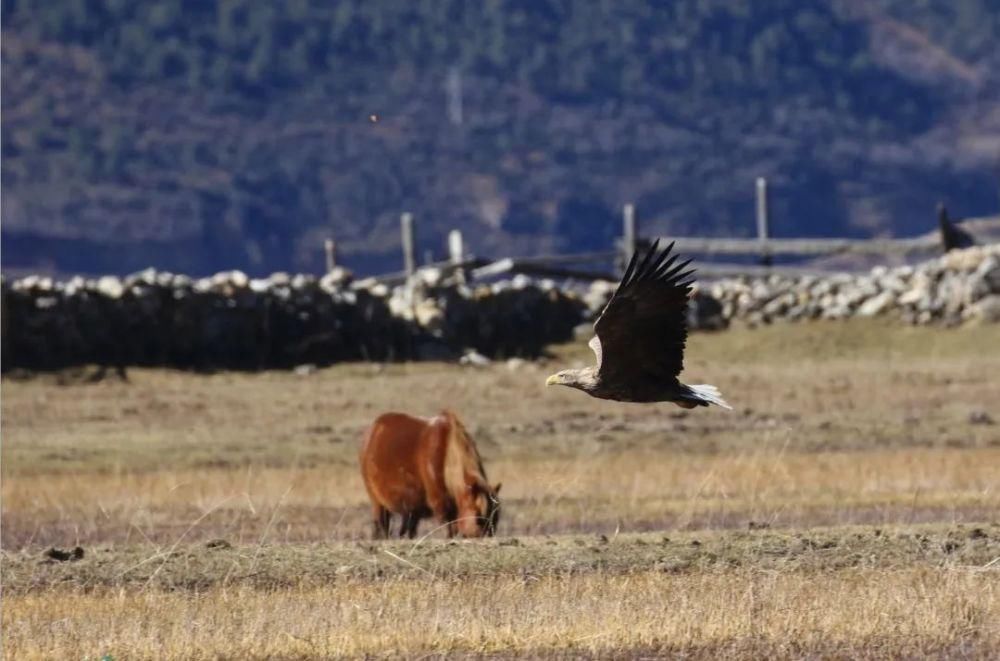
x,y
582,379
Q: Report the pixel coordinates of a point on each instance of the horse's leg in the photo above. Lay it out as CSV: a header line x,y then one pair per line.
x,y
448,516
380,521
441,510
411,532
404,523
408,527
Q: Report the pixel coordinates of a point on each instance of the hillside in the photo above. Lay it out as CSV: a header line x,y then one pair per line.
x,y
199,136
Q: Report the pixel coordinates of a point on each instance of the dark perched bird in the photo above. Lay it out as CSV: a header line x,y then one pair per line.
x,y
640,337
952,236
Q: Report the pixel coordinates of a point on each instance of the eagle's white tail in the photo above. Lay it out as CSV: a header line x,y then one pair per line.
x,y
703,395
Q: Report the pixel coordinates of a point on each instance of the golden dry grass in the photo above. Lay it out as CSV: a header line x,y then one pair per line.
x,y
631,490
801,388
849,613
835,425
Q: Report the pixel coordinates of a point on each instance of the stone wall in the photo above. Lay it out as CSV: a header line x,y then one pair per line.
x,y
231,321
960,286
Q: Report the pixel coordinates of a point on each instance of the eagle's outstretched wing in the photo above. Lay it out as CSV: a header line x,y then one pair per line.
x,y
642,330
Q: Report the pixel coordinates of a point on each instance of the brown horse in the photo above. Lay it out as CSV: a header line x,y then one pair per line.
x,y
418,468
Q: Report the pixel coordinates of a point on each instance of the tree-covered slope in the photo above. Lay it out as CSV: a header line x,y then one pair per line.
x,y
206,135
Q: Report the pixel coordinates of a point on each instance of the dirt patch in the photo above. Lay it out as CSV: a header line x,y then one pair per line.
x,y
59,555
284,566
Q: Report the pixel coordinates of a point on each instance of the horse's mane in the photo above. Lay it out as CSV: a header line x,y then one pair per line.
x,y
461,457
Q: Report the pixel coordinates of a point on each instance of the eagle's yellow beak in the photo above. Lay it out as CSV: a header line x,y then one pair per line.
x,y
552,380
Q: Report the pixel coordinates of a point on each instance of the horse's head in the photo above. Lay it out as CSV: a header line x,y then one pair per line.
x,y
479,510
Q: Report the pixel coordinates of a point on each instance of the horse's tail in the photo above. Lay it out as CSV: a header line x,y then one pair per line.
x,y
701,395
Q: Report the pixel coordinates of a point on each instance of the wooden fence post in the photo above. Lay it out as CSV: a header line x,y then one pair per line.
x,y
409,256
763,230
630,237
330,249
456,253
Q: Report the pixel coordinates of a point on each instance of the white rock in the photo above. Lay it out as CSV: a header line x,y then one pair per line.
x,y
145,276
258,285
335,279
516,364
913,296
428,314
987,310
521,281
473,358
110,286
75,285
876,305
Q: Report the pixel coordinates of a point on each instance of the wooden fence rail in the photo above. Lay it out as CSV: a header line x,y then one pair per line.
x,y
763,247
540,268
806,247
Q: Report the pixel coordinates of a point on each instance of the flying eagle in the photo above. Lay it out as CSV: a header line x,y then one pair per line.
x,y
640,336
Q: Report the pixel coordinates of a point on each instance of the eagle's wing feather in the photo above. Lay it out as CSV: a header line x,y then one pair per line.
x,y
643,328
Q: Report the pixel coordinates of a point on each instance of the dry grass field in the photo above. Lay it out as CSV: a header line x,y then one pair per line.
x,y
848,507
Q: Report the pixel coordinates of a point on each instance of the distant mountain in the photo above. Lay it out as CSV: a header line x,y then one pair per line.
x,y
198,136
